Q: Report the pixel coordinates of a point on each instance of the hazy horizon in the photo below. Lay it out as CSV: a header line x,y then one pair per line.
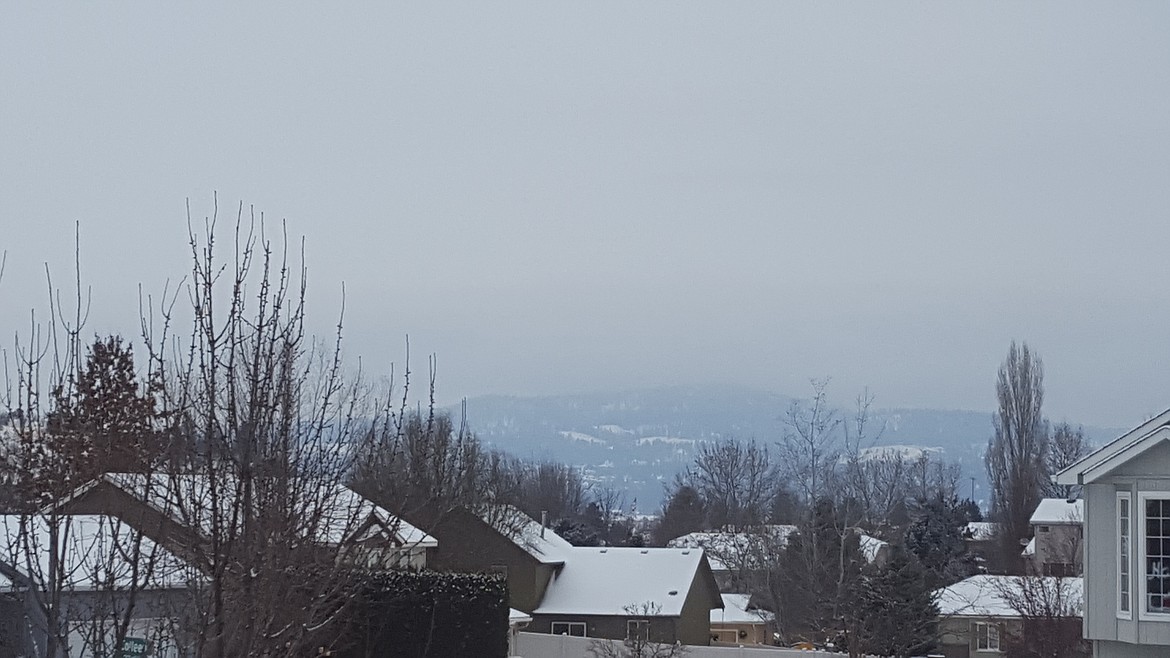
x,y
605,197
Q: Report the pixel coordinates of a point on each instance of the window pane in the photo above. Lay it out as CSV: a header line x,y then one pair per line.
x,y
1157,563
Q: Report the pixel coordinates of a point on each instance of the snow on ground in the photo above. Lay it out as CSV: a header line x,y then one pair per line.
x,y
906,452
673,440
615,429
583,437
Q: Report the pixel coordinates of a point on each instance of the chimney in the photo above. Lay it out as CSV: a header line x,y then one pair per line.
x,y
543,522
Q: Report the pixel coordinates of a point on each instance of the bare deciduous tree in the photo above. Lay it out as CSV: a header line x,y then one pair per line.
x,y
809,449
736,481
1066,446
1017,455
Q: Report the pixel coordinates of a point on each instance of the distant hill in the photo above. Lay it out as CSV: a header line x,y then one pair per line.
x,y
639,439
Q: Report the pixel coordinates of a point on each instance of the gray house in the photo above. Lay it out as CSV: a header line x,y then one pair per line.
x,y
1127,541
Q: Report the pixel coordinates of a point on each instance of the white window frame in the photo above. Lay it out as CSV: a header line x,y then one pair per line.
x,y
982,631
1124,598
1143,613
568,628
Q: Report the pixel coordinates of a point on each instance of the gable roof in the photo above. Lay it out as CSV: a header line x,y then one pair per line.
x,y
729,550
726,550
643,582
1055,511
983,595
517,527
1117,452
737,610
95,552
338,512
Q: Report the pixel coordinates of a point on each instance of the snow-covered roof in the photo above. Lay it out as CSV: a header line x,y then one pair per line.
x,y
1029,549
649,582
518,617
95,551
730,550
541,543
735,611
980,530
871,547
1054,511
984,595
331,511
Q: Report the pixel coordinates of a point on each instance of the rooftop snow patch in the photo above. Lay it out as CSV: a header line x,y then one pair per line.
x,y
736,611
96,552
980,530
332,511
984,595
541,543
648,582
1054,511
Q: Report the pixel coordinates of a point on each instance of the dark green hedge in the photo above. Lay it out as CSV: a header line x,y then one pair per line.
x,y
430,614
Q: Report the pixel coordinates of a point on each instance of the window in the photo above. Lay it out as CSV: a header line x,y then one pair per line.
x,y
1043,528
1156,554
1124,531
987,637
638,630
574,628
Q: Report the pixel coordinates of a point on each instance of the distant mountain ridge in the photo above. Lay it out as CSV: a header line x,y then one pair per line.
x,y
639,439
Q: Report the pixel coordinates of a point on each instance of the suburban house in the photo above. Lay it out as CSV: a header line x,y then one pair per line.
x,y
175,510
1057,535
741,623
84,575
662,594
977,614
1126,489
736,555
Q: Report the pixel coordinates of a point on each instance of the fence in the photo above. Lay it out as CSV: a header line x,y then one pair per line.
x,y
538,645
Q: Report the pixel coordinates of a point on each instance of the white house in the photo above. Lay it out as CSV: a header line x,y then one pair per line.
x,y
1127,541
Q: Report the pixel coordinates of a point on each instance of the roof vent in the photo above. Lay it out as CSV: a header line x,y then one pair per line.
x,y
686,552
605,550
673,592
644,551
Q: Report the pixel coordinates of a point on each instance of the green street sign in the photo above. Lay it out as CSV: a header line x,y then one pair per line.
x,y
134,646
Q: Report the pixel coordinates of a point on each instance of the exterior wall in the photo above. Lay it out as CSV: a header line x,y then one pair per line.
x,y
468,544
730,633
1106,649
662,629
1101,618
957,635
157,616
695,621
1059,549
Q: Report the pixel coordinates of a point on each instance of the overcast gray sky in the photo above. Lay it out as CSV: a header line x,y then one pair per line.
x,y
561,197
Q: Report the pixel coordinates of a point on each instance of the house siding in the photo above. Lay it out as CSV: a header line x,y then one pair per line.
x,y
695,621
662,629
1112,636
468,544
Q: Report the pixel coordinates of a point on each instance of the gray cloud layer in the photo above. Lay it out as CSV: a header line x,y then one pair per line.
x,y
558,198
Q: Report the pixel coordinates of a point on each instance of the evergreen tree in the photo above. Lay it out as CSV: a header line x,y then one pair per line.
x,y
894,612
935,539
815,578
683,513
104,421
